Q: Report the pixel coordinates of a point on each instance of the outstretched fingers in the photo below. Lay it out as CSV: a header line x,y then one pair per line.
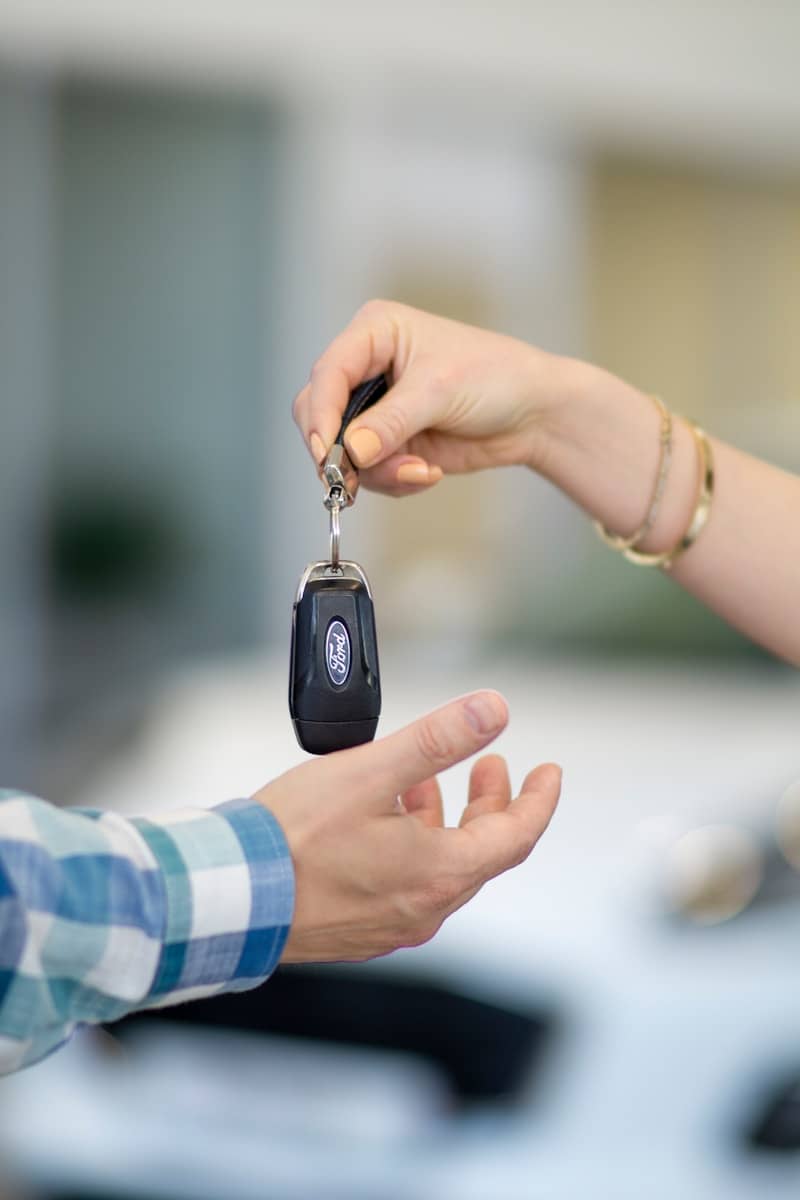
x,y
500,839
494,837
489,788
424,801
374,774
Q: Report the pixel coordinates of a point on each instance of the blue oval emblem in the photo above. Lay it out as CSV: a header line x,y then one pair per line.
x,y
337,653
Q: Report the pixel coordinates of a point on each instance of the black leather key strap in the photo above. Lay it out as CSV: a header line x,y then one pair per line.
x,y
362,398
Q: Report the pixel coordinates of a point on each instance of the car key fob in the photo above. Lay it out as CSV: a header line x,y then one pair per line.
x,y
334,682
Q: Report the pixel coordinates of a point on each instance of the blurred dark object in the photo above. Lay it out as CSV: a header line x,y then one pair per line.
x,y
777,1127
101,544
486,1052
84,1195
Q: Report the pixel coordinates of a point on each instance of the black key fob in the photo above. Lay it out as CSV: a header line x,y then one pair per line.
x,y
334,684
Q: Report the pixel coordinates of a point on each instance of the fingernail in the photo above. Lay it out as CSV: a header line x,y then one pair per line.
x,y
317,447
413,473
364,447
485,712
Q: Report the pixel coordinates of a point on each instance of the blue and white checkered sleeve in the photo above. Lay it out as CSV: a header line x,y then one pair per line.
x,y
101,915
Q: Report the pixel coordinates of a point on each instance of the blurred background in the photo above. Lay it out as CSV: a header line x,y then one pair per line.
x,y
194,198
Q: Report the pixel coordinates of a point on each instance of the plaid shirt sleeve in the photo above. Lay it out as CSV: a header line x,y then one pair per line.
x,y
101,915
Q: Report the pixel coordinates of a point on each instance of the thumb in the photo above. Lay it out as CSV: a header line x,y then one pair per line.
x,y
384,769
406,409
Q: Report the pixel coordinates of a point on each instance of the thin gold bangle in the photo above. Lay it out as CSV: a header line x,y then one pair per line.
x,y
616,540
702,508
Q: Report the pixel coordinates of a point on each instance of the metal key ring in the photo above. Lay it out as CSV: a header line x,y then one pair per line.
x,y
335,534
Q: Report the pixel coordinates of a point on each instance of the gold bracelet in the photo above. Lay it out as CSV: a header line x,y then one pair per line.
x,y
615,540
700,515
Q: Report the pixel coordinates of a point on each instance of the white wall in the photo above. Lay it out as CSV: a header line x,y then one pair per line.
x,y
368,196
716,79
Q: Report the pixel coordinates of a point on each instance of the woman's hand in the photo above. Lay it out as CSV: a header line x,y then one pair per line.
x,y
461,398
374,867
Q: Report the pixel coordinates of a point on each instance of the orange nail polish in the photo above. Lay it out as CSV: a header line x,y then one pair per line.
x,y
413,473
364,447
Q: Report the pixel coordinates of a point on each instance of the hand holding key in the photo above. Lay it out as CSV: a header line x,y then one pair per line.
x,y
373,875
461,398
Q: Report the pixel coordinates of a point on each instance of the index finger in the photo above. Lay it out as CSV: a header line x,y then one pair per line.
x,y
367,347
373,774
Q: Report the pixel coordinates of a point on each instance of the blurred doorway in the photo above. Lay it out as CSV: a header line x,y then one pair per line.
x,y
153,217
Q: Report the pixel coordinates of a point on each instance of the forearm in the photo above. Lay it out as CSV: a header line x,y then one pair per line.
x,y
599,443
100,915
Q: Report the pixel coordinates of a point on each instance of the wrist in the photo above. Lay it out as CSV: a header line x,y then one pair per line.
x,y
566,402
582,405
548,399
600,444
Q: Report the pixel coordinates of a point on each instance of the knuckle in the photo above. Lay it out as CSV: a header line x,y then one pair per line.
x,y
371,308
524,844
421,934
426,920
415,922
393,420
434,743
422,913
442,895
520,855
417,929
444,381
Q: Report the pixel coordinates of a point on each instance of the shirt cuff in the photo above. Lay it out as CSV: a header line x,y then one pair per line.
x,y
229,898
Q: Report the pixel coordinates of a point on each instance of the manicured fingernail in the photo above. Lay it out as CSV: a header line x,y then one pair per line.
x,y
317,447
364,447
485,712
413,473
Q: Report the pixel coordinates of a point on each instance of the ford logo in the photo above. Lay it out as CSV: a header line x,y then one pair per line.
x,y
337,653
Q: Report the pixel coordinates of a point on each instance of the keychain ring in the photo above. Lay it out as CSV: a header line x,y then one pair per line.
x,y
335,534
